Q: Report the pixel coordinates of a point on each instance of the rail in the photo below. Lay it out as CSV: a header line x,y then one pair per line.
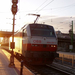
x,y
67,56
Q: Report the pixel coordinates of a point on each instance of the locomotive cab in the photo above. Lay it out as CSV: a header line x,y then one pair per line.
x,y
39,43
36,43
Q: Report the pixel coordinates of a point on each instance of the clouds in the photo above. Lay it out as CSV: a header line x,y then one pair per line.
x,y
59,23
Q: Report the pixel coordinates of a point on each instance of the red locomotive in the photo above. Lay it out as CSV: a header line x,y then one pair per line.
x,y
36,43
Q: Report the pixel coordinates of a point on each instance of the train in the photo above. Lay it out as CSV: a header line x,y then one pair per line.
x,y
36,43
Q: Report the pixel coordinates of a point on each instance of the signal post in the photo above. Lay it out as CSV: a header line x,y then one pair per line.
x,y
12,44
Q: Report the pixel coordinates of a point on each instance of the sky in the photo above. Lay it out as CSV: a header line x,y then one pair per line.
x,y
58,13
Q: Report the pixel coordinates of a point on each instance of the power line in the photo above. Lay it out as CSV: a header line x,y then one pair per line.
x,y
62,7
41,4
45,6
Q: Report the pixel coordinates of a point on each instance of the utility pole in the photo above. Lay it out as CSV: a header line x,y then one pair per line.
x,y
12,44
71,34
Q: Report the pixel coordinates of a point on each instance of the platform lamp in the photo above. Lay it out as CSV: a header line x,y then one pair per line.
x,y
12,44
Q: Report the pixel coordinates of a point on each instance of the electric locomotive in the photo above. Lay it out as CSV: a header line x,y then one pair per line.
x,y
36,43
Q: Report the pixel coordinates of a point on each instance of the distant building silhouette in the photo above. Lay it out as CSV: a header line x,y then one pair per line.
x,y
64,41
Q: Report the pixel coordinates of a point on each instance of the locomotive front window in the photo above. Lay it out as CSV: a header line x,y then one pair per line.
x,y
44,31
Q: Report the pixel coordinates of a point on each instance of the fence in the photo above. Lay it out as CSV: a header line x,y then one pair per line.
x,y
68,58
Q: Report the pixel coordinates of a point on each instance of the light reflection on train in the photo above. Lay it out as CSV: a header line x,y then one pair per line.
x,y
36,44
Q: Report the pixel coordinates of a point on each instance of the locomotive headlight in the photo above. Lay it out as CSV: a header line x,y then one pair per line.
x,y
54,46
51,45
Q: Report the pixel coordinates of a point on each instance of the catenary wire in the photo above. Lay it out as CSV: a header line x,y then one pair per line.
x,y
41,5
45,6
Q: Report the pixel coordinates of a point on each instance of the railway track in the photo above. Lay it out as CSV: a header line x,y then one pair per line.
x,y
43,69
63,68
47,69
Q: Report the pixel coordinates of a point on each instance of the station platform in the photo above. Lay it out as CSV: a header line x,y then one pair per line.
x,y
6,70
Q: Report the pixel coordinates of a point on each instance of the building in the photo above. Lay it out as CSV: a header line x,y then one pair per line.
x,y
64,41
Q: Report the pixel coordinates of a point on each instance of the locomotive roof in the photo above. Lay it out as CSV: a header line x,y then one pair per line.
x,y
39,24
33,24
